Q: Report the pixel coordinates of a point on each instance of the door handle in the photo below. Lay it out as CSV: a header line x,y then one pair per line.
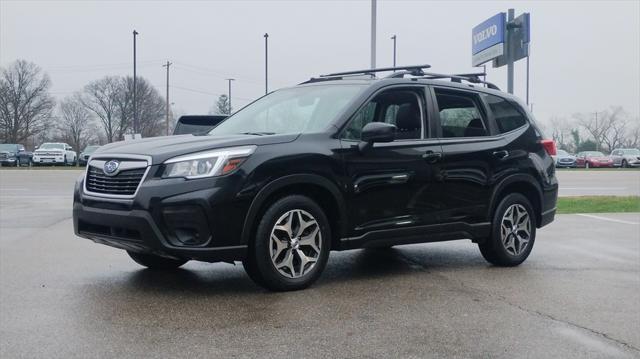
x,y
432,157
501,154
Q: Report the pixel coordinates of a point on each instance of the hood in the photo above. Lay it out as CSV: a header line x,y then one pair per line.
x,y
599,158
162,148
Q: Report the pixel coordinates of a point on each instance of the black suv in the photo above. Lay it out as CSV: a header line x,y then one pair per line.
x,y
339,162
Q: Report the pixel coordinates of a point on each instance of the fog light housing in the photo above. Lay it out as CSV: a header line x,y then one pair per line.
x,y
186,226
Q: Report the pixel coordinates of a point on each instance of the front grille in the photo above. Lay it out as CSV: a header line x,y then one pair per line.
x,y
566,160
4,156
124,183
48,154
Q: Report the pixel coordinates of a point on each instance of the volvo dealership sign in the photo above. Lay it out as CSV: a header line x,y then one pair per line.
x,y
487,40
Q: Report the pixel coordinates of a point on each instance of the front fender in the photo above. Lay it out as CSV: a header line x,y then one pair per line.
x,y
289,180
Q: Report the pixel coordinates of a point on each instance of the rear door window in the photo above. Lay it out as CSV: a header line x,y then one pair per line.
x,y
460,114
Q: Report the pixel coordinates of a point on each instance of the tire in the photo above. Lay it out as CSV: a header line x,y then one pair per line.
x,y
152,261
273,237
624,164
65,161
17,162
586,165
510,251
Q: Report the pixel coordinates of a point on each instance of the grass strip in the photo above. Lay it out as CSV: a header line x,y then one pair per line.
x,y
598,204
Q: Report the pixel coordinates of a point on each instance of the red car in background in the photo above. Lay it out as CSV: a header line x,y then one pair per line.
x,y
590,159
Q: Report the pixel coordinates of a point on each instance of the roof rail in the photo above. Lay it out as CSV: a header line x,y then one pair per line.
x,y
415,70
473,78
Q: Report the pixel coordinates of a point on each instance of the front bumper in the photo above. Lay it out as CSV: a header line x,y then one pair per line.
x,y
48,159
597,164
8,161
197,219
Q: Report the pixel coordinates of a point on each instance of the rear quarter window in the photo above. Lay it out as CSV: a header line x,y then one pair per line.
x,y
506,115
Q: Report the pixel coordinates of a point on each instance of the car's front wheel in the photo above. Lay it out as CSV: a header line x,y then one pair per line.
x,y
291,245
513,232
624,164
156,262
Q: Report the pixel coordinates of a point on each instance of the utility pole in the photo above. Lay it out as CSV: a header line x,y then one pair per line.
x,y
167,65
597,132
394,50
266,63
373,34
135,110
229,98
511,15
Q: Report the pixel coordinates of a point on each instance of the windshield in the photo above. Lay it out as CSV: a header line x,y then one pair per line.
x,y
90,149
562,153
594,154
632,151
294,110
8,147
52,146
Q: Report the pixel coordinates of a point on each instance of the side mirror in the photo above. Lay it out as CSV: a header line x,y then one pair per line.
x,y
376,132
69,148
36,147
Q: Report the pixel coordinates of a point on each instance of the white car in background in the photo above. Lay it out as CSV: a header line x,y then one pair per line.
x,y
625,157
55,153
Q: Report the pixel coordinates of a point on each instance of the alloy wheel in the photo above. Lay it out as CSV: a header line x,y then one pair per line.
x,y
295,243
515,229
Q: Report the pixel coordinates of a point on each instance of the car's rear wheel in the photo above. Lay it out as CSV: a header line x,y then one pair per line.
x,y
513,232
156,262
291,245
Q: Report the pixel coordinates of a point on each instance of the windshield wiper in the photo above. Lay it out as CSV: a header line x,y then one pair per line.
x,y
257,133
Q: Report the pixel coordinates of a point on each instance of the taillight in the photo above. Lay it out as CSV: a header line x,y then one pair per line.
x,y
549,146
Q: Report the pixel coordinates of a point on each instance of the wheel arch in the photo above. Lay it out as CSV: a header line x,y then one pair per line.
x,y
523,184
318,188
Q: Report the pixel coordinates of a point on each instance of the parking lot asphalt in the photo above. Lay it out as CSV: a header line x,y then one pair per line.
x,y
615,182
577,296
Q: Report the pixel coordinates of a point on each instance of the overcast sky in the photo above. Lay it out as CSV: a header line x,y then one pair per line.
x,y
585,56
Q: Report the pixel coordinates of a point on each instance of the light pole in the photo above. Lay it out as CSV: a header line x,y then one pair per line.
x,y
373,34
266,63
135,110
229,96
394,50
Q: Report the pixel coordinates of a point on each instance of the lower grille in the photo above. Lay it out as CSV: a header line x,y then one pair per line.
x,y
125,183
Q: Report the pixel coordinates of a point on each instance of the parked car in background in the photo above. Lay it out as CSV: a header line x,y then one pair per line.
x,y
626,157
13,154
86,153
197,124
54,153
565,159
590,159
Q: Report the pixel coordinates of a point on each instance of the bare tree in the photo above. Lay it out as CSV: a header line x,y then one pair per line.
x,y
25,102
222,106
101,98
150,105
561,132
607,128
75,122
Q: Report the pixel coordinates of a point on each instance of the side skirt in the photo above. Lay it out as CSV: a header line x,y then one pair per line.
x,y
476,232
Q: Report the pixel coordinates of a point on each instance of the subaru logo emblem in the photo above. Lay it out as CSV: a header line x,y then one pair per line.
x,y
111,167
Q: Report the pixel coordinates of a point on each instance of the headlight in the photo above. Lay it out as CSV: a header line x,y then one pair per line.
x,y
207,164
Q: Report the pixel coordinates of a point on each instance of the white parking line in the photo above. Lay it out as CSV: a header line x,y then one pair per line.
x,y
594,188
607,219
